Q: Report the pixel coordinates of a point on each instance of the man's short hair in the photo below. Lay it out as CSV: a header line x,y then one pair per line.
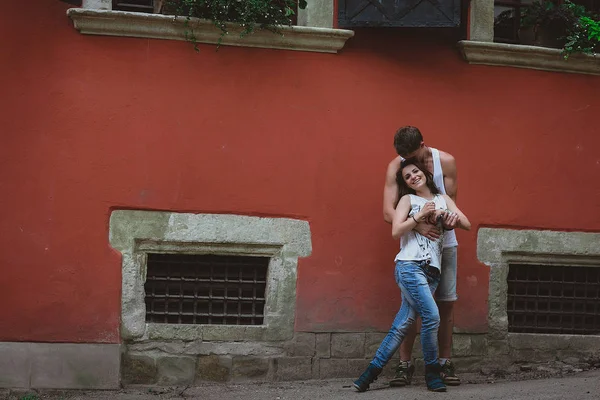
x,y
407,139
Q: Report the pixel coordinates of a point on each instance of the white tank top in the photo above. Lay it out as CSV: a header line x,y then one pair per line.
x,y
416,247
438,179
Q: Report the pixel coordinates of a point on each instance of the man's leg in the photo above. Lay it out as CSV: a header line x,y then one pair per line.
x,y
407,345
446,327
405,369
446,296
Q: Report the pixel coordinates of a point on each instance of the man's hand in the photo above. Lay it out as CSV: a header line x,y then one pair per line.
x,y
450,221
430,231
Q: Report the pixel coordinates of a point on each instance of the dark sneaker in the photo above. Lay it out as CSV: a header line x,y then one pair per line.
x,y
370,375
448,375
403,375
433,378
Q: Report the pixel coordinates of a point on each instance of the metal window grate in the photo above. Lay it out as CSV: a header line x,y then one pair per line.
x,y
205,289
553,299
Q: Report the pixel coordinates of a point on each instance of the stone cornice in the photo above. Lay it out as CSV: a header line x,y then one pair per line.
x,y
533,57
157,26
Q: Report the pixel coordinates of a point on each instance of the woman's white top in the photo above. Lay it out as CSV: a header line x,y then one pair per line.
x,y
416,247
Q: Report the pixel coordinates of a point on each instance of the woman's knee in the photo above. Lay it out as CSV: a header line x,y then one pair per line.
x,y
403,328
430,321
407,324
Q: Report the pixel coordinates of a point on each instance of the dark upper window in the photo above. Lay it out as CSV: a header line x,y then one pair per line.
x,y
507,21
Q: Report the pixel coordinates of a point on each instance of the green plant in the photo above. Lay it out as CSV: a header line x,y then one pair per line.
x,y
247,14
584,38
548,14
593,28
568,26
584,35
29,397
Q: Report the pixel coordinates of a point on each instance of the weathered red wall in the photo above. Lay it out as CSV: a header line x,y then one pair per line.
x,y
90,124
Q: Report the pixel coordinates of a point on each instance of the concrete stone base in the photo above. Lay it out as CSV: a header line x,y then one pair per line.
x,y
306,356
59,365
333,355
572,349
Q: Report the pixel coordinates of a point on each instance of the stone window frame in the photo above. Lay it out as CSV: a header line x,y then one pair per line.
x,y
481,49
135,233
314,30
499,247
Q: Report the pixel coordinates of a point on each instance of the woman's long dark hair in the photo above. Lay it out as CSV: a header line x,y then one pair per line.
x,y
403,188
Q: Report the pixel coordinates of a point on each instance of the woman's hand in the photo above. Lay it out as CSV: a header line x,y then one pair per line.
x,y
425,212
435,216
450,221
460,221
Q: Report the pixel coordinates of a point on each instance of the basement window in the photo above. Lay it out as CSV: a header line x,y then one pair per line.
x,y
558,299
207,277
205,289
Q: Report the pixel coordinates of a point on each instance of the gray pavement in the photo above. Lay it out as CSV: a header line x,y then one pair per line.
x,y
580,386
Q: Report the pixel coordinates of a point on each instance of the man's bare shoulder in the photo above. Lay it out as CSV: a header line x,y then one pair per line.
x,y
395,163
447,159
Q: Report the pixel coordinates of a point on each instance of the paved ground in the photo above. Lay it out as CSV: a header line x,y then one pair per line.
x,y
579,386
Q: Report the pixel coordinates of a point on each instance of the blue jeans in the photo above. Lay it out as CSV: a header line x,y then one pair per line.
x,y
417,281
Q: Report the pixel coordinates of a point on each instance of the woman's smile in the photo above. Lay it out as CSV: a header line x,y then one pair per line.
x,y
414,177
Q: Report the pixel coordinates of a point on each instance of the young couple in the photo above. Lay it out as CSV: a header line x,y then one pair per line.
x,y
419,196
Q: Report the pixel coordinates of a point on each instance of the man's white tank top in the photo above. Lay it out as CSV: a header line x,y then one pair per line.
x,y
416,247
438,179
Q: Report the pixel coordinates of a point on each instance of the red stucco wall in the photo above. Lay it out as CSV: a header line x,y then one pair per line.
x,y
90,124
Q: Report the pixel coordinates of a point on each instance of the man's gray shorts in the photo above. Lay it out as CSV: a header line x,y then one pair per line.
x,y
446,290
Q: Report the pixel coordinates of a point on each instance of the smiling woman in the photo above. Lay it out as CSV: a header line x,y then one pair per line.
x,y
406,174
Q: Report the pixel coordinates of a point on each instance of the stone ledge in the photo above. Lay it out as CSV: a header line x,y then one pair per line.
x,y
59,365
532,57
157,26
494,245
